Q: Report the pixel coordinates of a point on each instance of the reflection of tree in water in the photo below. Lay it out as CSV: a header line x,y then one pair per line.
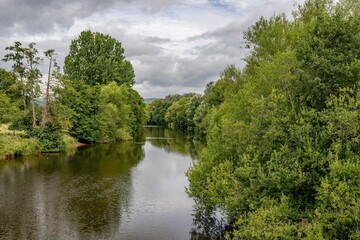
x,y
99,186
173,141
25,191
207,226
77,196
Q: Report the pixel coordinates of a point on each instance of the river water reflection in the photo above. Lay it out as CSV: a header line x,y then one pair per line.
x,y
125,190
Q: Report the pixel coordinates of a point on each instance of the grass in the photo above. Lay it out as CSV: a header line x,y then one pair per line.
x,y
11,146
4,130
17,143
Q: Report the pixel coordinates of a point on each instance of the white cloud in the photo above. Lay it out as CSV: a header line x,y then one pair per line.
x,y
175,46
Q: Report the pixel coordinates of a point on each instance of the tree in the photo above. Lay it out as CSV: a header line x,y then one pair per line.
x,y
17,55
10,86
25,68
80,103
283,148
176,114
96,58
33,75
157,109
53,73
8,111
115,112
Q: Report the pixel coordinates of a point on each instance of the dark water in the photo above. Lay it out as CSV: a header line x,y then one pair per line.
x,y
126,190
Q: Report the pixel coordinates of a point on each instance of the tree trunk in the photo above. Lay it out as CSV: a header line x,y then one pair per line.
x,y
45,116
23,92
33,108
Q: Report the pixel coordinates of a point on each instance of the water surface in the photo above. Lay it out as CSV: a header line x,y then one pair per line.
x,y
125,190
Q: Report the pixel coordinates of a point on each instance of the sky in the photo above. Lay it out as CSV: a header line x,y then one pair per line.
x,y
175,46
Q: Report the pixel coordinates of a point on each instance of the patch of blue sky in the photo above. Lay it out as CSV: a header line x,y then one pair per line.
x,y
224,6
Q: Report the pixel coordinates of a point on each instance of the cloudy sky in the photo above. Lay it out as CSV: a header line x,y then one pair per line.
x,y
175,46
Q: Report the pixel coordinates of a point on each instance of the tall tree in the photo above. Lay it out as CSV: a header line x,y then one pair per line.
x,y
33,75
25,68
17,55
98,58
53,73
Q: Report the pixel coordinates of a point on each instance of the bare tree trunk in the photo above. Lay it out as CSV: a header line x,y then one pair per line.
x,y
23,92
45,116
33,108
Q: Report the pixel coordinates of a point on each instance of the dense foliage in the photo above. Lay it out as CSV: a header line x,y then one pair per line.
x,y
92,102
283,135
282,159
98,58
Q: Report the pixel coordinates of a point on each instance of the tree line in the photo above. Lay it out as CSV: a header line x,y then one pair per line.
x,y
92,100
282,159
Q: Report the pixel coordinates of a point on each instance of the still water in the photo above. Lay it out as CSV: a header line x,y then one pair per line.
x,y
125,190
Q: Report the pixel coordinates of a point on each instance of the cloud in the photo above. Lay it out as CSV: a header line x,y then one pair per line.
x,y
42,16
175,46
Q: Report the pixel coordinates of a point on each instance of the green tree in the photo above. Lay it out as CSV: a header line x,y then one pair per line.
x,y
194,103
329,49
10,86
138,116
33,75
25,68
96,58
17,56
283,149
157,109
214,95
8,111
80,103
176,114
115,112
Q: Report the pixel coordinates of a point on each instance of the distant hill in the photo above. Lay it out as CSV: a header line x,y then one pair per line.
x,y
40,101
149,100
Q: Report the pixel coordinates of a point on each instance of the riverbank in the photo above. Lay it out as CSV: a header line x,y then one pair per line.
x,y
17,143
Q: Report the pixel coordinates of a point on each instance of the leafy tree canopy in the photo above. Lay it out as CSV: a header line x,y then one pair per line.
x,y
96,58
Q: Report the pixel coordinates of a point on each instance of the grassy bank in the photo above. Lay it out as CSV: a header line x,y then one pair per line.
x,y
17,143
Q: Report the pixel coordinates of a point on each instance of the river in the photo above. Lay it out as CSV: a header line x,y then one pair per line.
x,y
123,190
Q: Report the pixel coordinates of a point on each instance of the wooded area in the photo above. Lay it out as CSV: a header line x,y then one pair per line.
x,y
283,134
92,102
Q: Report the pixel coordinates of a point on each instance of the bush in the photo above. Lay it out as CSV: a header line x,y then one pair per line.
x,y
17,146
50,138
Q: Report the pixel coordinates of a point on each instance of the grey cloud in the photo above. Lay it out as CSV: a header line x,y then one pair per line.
x,y
158,72
42,16
157,40
170,71
38,16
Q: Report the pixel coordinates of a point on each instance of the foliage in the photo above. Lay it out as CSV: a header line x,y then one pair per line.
x,y
115,112
17,145
50,138
138,116
98,113
7,110
81,103
9,86
25,69
283,143
96,58
93,102
157,110
214,95
176,114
